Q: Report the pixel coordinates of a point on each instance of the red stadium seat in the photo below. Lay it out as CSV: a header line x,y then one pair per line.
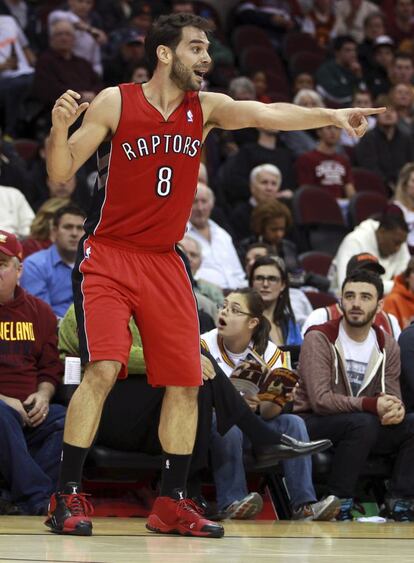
x,y
316,262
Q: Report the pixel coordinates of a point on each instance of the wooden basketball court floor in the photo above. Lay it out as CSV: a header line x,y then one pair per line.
x,y
119,540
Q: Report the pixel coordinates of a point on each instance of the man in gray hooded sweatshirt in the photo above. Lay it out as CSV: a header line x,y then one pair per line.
x,y
349,392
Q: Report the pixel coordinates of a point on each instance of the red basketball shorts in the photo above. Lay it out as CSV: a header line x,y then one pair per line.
x,y
153,287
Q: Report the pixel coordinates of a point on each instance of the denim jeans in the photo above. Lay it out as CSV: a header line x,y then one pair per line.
x,y
228,469
30,457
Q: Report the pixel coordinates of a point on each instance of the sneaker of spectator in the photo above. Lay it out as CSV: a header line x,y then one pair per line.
x,y
244,509
345,510
399,510
324,510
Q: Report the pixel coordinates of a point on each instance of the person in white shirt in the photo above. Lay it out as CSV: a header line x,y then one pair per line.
x,y
242,334
386,239
404,198
220,264
16,215
388,322
350,17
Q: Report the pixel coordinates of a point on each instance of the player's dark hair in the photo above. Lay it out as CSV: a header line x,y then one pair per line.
x,y
393,219
256,307
167,30
71,209
365,276
283,312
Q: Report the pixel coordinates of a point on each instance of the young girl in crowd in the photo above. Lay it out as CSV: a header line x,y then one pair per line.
x,y
242,334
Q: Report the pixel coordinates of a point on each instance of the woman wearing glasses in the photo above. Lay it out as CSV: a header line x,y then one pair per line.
x,y
242,326
268,276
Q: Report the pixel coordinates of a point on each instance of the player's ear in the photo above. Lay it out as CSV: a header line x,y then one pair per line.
x,y
164,54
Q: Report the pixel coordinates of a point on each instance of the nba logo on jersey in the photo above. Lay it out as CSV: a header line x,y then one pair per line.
x,y
88,252
189,116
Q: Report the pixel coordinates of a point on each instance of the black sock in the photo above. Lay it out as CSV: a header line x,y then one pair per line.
x,y
174,474
260,433
71,466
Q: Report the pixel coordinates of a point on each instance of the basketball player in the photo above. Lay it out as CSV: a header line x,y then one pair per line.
x,y
149,139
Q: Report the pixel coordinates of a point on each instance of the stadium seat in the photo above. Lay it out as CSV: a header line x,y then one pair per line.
x,y
260,58
316,262
296,42
318,218
306,61
368,181
27,149
320,299
245,36
364,205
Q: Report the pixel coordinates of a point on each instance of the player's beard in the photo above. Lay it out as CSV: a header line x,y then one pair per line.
x,y
364,321
182,76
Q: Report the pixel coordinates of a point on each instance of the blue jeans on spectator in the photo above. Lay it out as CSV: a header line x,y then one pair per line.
x,y
228,469
30,457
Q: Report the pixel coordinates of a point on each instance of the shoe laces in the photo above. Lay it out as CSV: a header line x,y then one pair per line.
x,y
190,506
78,504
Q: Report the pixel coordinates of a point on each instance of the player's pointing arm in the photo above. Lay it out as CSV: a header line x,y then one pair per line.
x,y
226,113
65,156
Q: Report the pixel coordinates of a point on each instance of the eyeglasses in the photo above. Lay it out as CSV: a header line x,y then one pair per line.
x,y
233,310
268,279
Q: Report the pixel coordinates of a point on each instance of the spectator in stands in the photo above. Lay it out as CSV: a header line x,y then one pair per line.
x,y
350,391
16,215
128,53
401,24
320,21
303,80
140,74
13,171
275,16
300,142
39,238
385,239
402,71
48,273
402,96
350,17
400,301
193,251
387,322
254,251
220,264
265,181
31,429
374,27
16,72
58,69
406,342
234,174
325,168
261,85
338,78
404,198
269,277
360,99
377,72
89,37
385,149
241,327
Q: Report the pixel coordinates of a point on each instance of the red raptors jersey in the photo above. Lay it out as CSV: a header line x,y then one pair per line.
x,y
147,174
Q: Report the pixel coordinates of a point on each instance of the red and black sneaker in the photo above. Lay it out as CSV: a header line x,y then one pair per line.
x,y
69,512
184,517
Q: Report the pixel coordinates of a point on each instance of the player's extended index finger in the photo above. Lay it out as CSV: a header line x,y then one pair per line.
x,y
372,111
73,94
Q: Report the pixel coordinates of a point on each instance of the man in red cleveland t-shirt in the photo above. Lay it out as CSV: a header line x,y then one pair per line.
x,y
326,168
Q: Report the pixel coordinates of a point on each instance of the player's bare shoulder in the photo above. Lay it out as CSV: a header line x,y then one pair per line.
x,y
212,103
106,108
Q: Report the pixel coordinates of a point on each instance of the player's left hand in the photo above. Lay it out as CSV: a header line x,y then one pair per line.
x,y
208,369
39,407
354,120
